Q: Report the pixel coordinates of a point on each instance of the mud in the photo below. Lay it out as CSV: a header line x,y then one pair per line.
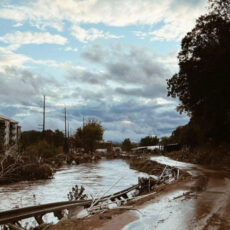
x,y
116,219
215,156
147,166
95,177
201,201
112,220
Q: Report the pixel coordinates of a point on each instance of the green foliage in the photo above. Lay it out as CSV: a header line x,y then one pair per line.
x,y
149,141
202,83
78,138
36,171
55,138
165,141
88,136
188,135
42,149
126,145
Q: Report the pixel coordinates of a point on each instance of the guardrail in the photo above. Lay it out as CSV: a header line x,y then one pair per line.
x,y
12,216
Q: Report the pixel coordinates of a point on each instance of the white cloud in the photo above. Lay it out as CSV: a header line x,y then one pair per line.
x,y
140,34
163,101
127,122
178,22
90,34
178,16
50,63
68,48
23,38
17,85
18,25
10,59
169,60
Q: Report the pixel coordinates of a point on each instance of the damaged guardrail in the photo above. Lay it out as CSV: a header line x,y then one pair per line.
x,y
10,218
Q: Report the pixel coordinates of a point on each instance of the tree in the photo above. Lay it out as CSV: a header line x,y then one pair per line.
x,y
78,138
42,149
149,141
33,137
126,145
165,141
88,136
202,83
188,135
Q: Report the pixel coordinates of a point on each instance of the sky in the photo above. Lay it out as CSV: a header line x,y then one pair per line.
x,y
102,59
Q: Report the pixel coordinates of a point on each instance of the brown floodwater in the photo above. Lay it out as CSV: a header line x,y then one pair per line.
x,y
95,177
186,209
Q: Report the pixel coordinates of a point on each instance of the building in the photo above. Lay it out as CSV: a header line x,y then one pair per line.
x,y
10,133
101,151
172,147
117,149
147,149
105,145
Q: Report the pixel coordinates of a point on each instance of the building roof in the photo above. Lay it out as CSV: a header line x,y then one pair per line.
x,y
146,147
3,117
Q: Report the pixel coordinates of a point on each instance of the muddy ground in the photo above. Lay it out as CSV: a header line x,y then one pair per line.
x,y
116,219
200,201
215,156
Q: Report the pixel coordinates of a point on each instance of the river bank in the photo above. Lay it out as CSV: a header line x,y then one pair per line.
x,y
197,202
183,199
215,156
95,177
19,167
118,218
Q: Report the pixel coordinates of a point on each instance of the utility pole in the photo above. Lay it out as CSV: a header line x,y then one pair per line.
x,y
65,123
83,122
44,114
68,130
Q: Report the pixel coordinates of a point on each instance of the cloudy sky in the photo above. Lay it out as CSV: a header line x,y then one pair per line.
x,y
103,59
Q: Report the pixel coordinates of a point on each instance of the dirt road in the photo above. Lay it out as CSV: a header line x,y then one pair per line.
x,y
203,204
200,203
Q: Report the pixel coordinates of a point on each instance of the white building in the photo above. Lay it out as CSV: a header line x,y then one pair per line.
x,y
10,132
147,149
117,149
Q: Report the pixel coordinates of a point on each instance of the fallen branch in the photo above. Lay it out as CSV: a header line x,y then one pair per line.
x,y
14,227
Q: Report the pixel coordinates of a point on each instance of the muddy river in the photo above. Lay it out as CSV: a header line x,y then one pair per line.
x,y
207,208
95,177
180,208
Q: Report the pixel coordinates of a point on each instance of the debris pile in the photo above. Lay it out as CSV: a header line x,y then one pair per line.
x,y
83,158
13,169
168,175
2,136
147,166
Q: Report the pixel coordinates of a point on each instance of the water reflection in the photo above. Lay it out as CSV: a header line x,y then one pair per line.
x,y
94,177
166,212
207,209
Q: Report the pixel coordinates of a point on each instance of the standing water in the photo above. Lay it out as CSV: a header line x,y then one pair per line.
x,y
95,177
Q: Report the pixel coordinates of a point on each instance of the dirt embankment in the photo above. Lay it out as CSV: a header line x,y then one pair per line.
x,y
116,219
14,169
211,156
82,158
147,166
